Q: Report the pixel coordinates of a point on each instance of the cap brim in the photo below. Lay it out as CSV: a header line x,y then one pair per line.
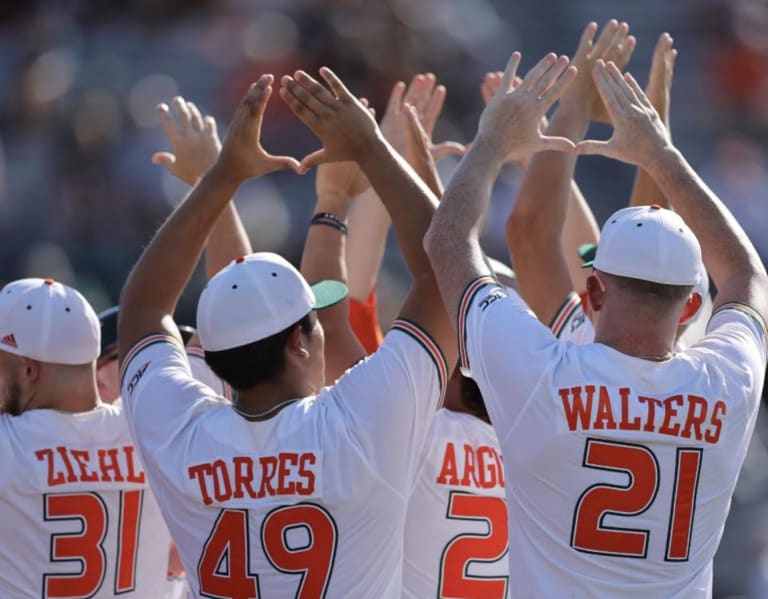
x,y
328,293
587,252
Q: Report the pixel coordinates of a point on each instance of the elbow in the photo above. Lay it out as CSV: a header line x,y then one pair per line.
x,y
431,241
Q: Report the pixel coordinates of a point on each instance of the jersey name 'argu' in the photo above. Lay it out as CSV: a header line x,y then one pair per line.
x,y
591,407
105,465
479,467
242,477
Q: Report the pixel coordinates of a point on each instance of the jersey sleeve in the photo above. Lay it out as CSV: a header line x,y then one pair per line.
x,y
158,390
364,321
504,348
203,373
388,401
571,322
737,335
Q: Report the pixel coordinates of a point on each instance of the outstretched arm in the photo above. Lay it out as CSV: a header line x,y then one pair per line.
x,y
546,264
324,259
645,191
641,138
369,221
509,129
348,132
195,146
152,290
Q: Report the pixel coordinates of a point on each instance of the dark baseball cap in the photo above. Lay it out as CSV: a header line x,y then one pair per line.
x,y
108,320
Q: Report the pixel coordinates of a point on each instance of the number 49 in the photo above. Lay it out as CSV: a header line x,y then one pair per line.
x,y
229,544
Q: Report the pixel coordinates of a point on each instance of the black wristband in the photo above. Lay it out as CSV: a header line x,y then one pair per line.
x,y
322,220
330,216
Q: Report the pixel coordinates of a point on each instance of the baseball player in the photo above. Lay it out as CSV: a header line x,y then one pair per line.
x,y
76,513
542,242
293,490
455,542
624,454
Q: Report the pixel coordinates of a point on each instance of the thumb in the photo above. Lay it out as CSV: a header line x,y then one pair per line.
x,y
286,162
556,144
448,148
602,148
315,158
165,159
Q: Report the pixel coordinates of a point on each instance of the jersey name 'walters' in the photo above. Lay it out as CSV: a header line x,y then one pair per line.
x,y
600,408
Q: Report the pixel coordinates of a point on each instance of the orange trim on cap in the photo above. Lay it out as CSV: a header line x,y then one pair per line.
x,y
48,281
655,207
240,260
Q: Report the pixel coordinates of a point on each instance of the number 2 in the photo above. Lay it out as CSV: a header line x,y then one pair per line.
x,y
87,546
590,535
464,549
223,569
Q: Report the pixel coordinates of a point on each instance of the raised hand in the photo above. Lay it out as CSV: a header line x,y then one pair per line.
x,y
427,98
418,151
510,122
194,141
660,79
341,121
613,44
242,155
639,135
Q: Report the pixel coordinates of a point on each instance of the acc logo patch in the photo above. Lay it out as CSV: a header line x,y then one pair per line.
x,y
137,377
494,295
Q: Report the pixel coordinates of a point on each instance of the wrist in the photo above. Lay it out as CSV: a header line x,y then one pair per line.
x,y
489,149
334,201
664,162
222,175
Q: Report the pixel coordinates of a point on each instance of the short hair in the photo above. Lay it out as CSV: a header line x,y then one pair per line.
x,y
656,293
472,398
262,361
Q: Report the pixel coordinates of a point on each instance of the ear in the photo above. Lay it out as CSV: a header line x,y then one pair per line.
x,y
691,308
30,370
296,345
595,293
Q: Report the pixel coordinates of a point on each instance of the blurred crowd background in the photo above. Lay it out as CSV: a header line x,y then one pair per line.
x,y
81,79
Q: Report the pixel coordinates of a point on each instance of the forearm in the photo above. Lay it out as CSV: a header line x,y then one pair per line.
x,y
368,228
453,238
323,260
408,200
726,249
165,266
227,241
580,228
324,248
542,203
548,218
645,192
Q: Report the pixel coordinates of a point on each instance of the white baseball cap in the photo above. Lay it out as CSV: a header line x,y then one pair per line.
x,y
49,322
649,243
255,297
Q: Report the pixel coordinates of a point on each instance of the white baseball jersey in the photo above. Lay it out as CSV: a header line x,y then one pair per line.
x,y
309,503
77,517
620,469
456,534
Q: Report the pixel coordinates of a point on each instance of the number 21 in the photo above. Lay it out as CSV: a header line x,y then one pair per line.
x,y
590,535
